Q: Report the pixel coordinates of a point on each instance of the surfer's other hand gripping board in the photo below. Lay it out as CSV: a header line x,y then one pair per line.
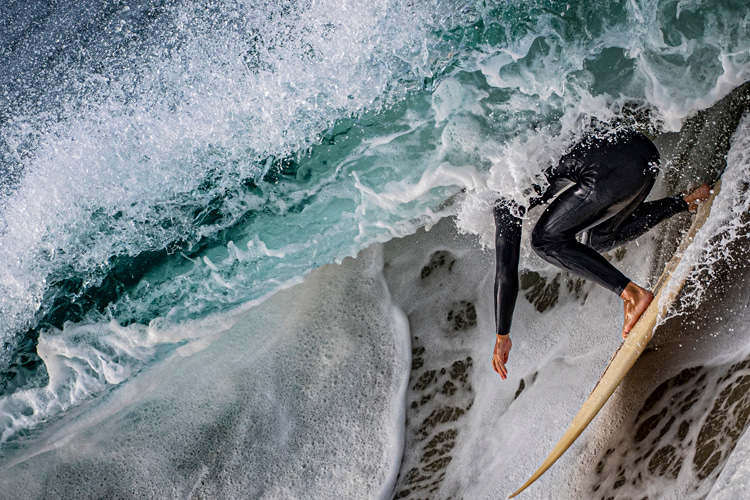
x,y
631,348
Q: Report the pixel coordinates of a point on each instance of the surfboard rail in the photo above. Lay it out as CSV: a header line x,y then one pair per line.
x,y
630,349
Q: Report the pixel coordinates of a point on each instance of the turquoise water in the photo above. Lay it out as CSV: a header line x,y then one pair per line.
x,y
163,163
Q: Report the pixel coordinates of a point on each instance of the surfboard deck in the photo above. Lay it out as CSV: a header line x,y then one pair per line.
x,y
630,349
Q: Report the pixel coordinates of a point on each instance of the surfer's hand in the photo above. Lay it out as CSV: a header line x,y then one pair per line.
x,y
500,356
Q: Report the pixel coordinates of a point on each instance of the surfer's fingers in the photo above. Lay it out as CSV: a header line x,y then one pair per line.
x,y
499,367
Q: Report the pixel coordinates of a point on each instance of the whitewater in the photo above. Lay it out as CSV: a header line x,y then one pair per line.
x,y
246,249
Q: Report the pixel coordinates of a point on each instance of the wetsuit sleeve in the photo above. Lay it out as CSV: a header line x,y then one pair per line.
x,y
507,250
644,218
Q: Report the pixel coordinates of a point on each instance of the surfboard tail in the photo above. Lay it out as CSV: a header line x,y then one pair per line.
x,y
621,362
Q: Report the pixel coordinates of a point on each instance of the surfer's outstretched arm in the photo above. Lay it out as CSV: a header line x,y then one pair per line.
x,y
507,251
648,214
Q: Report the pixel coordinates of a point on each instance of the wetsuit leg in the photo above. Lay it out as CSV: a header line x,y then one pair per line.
x,y
600,193
620,230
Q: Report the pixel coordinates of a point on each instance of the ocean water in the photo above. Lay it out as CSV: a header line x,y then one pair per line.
x,y
171,171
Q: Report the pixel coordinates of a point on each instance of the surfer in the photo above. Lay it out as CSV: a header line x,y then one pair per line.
x,y
608,179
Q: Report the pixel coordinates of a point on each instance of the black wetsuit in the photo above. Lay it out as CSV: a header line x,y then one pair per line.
x,y
611,177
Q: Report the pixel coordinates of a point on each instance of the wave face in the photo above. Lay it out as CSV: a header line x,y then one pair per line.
x,y
165,165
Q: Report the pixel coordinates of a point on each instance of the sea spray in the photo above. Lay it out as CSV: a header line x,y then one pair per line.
x,y
719,151
156,149
173,162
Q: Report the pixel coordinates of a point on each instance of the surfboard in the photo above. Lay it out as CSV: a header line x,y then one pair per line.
x,y
630,349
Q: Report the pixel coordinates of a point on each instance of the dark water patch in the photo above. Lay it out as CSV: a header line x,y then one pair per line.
x,y
544,292
417,359
538,291
649,425
462,315
438,261
724,425
664,460
425,380
711,406
525,383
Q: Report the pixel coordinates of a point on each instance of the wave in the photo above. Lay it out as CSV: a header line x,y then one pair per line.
x,y
172,164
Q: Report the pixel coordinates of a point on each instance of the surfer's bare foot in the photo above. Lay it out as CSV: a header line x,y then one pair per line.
x,y
636,301
699,194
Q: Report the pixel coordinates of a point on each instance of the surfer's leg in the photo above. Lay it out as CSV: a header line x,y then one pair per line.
x,y
559,246
591,202
554,237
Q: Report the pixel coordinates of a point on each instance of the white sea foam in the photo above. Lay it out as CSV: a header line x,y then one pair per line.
x,y
302,397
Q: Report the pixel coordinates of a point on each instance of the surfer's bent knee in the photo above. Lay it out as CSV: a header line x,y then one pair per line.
x,y
544,246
